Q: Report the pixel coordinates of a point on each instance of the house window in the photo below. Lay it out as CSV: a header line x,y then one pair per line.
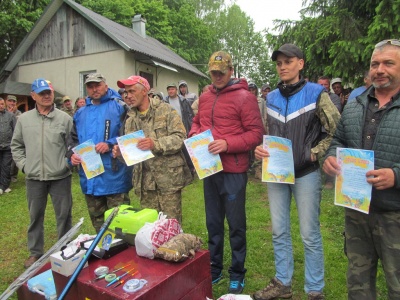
x,y
82,78
148,76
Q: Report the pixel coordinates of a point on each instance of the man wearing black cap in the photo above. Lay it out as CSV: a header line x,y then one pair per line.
x,y
297,110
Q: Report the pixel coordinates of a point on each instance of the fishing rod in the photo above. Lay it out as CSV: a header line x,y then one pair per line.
x,y
88,253
40,262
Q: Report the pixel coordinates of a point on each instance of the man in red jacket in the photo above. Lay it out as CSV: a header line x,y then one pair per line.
x,y
233,116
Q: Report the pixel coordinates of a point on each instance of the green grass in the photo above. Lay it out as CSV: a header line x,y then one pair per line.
x,y
260,260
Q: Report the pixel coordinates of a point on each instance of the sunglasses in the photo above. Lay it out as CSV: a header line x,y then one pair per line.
x,y
390,42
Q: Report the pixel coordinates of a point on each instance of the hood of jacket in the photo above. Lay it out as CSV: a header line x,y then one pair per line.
x,y
288,90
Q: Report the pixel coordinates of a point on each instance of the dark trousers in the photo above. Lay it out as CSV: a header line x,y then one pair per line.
x,y
61,196
370,238
225,196
5,169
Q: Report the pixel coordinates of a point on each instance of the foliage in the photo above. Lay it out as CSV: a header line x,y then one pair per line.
x,y
337,36
16,19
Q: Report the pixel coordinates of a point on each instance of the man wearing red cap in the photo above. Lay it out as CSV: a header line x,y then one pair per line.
x,y
157,181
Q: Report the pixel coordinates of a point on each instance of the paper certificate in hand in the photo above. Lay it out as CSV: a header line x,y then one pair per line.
x,y
129,150
204,162
352,189
91,161
279,166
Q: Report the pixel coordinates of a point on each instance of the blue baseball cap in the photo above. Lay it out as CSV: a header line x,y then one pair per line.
x,y
40,85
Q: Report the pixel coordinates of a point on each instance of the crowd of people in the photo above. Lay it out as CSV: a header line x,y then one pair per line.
x,y
317,121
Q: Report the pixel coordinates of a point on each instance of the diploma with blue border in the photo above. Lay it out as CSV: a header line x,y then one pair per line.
x,y
352,189
204,162
279,166
90,160
129,150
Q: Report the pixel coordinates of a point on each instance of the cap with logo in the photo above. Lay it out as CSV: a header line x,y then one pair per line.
x,y
39,85
95,77
12,98
289,50
65,98
132,80
336,80
220,61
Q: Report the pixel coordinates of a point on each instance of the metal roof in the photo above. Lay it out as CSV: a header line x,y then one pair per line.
x,y
19,88
148,48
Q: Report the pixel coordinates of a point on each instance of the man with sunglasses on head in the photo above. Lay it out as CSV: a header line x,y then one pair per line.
x,y
38,146
371,122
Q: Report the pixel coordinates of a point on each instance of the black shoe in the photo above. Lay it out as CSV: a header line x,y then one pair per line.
x,y
216,279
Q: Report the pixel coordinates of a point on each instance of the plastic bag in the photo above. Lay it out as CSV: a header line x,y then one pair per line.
x,y
153,235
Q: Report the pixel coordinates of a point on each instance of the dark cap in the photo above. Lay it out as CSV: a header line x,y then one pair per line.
x,y
289,50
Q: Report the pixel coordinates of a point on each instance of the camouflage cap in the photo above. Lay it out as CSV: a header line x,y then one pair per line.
x,y
220,61
12,98
95,77
65,98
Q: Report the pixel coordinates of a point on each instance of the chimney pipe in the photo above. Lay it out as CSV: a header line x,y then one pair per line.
x,y
139,25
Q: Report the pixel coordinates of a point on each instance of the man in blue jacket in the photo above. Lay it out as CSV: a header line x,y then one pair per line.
x,y
100,120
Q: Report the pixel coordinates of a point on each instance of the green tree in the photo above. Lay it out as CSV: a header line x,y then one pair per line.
x,y
338,36
17,18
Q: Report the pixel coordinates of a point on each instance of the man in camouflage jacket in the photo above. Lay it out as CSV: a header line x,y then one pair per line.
x,y
157,181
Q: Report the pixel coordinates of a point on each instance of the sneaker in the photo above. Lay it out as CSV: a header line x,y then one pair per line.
x,y
236,287
30,261
216,279
1,192
7,190
274,290
315,296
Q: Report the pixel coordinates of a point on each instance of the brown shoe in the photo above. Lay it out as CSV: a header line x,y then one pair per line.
x,y
30,261
315,296
274,290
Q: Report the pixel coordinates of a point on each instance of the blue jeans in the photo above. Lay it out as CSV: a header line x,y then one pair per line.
x,y
307,194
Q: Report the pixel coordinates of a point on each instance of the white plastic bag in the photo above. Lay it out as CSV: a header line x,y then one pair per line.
x,y
153,235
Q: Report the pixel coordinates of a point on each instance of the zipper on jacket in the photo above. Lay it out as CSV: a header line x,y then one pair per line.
x,y
212,110
236,159
42,160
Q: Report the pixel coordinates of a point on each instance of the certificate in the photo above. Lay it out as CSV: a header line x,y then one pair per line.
x,y
204,162
352,189
90,160
129,150
279,166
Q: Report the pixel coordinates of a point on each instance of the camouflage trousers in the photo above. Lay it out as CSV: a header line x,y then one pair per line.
x,y
97,205
169,203
370,238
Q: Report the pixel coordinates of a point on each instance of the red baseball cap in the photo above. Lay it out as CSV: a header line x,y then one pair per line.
x,y
134,79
